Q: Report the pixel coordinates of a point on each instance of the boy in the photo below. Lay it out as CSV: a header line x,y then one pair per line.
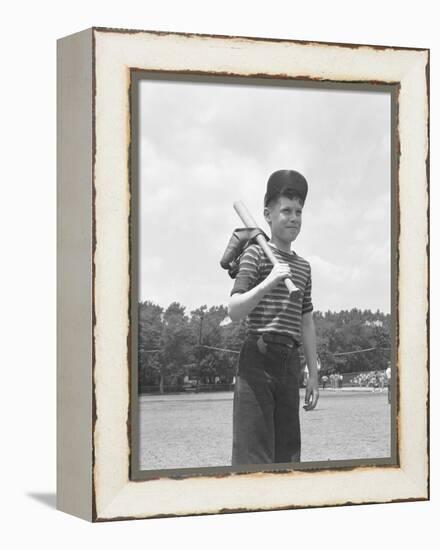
x,y
266,425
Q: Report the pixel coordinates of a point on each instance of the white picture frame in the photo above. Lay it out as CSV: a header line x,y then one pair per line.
x,y
95,209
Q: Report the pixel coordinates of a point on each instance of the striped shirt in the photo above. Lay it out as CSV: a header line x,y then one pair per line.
x,y
276,312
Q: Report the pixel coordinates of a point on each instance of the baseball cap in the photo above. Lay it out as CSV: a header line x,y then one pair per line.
x,y
281,180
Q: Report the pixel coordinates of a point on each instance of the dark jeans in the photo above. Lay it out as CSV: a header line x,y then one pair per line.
x,y
266,425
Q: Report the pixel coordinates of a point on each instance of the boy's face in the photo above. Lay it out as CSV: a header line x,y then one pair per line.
x,y
284,217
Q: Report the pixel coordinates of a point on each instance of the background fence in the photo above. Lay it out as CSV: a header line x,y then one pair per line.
x,y
185,388
370,379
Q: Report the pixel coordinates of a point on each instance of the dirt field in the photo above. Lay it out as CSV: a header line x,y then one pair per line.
x,y
194,430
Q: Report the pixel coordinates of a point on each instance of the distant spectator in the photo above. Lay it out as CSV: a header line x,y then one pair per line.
x,y
324,381
388,378
305,377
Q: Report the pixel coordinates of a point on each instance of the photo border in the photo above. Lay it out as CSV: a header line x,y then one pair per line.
x,y
136,77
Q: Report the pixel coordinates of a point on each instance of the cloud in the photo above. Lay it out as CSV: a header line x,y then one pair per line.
x,y
331,274
204,147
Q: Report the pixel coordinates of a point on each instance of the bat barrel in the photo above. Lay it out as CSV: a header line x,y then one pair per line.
x,y
248,220
245,215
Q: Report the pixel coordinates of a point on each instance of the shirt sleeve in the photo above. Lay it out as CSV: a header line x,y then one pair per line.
x,y
247,276
307,305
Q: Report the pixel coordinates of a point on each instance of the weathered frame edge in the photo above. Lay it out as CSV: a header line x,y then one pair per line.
x,y
74,274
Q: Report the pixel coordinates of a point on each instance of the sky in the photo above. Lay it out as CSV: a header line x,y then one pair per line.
x,y
205,145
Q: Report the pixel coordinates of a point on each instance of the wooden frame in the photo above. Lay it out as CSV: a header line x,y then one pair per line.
x,y
95,69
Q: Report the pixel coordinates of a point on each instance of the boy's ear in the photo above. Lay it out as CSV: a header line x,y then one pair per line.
x,y
266,213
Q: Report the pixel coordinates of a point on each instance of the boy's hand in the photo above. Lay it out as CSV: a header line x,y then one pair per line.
x,y
312,393
279,272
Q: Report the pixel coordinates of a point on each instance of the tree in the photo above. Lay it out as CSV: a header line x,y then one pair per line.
x,y
172,344
175,343
149,341
207,331
353,330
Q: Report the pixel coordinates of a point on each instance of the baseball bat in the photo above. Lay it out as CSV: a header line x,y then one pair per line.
x,y
248,220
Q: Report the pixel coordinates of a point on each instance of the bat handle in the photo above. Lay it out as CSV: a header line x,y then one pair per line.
x,y
290,285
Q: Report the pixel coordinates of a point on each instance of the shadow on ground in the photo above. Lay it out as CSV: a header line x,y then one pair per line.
x,y
49,499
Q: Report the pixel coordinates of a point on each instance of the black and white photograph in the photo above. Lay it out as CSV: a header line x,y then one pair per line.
x,y
265,258
219,290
